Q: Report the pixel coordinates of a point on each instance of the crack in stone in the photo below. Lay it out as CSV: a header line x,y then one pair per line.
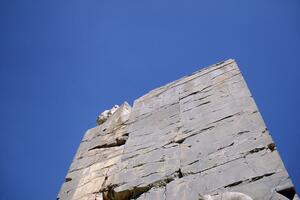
x,y
110,194
221,148
253,179
224,118
118,142
201,104
196,92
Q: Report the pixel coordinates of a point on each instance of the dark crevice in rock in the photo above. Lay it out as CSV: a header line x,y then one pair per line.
x,y
205,89
248,180
233,184
109,193
193,93
118,142
180,141
201,104
265,130
260,177
272,147
288,192
225,146
105,179
125,134
255,150
242,132
192,162
180,175
68,179
256,111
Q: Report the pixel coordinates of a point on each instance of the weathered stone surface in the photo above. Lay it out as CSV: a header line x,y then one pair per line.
x,y
200,137
98,154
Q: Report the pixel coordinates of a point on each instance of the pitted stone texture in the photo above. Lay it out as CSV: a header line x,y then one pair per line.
x,y
199,136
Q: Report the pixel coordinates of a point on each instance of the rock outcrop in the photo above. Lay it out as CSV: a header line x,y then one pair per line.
x,y
200,137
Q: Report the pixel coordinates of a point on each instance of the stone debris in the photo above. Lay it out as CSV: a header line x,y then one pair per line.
x,y
106,114
200,137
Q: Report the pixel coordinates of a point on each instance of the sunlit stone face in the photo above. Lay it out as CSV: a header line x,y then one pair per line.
x,y
200,137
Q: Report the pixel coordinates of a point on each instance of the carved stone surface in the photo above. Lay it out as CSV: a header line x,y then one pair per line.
x,y
200,137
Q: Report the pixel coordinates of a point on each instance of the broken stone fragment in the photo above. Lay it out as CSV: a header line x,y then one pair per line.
x,y
106,114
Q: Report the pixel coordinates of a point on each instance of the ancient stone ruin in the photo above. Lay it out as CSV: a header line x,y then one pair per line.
x,y
200,137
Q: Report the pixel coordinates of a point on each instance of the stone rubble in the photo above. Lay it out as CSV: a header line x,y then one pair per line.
x,y
200,137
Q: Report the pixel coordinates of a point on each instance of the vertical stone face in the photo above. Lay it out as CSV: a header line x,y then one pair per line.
x,y
200,137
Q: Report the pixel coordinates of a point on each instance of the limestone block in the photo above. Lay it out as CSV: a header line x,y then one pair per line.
x,y
199,137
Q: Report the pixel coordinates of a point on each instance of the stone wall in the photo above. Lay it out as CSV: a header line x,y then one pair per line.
x,y
200,137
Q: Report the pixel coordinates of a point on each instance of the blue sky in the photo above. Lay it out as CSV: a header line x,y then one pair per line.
x,y
64,61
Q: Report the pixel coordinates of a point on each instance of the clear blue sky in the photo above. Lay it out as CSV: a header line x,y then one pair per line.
x,y
64,61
